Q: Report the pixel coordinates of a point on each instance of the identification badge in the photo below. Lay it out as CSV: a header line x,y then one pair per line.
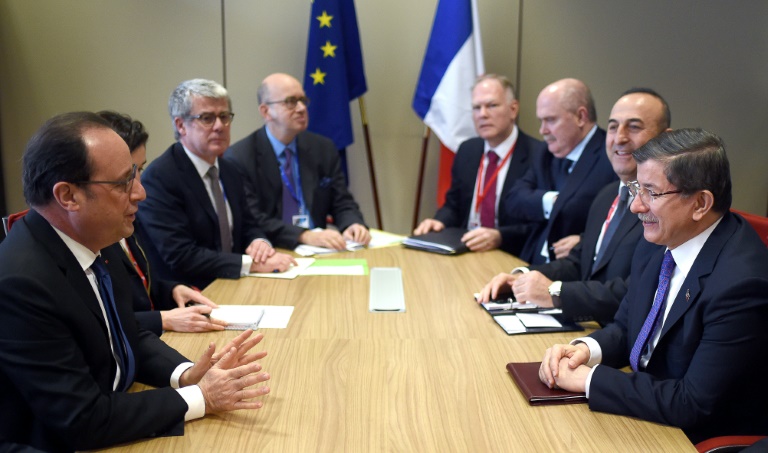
x,y
300,220
474,221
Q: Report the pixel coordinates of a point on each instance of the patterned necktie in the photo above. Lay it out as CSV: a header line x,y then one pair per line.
x,y
653,320
290,204
123,352
221,209
488,206
612,224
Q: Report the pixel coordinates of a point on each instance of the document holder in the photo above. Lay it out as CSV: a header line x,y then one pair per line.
x,y
526,376
386,290
444,242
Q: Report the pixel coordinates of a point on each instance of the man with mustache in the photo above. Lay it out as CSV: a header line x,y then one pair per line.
x,y
692,325
591,281
560,185
485,169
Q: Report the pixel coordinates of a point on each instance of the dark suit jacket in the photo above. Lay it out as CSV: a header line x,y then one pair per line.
x,y
569,213
587,295
458,199
322,184
56,365
704,374
180,226
160,291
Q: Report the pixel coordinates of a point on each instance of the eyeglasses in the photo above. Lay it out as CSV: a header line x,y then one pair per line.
x,y
647,195
208,119
291,102
125,185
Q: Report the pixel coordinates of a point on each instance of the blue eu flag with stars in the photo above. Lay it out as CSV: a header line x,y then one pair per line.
x,y
334,73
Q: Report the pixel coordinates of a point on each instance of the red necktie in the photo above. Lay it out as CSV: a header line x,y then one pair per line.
x,y
488,206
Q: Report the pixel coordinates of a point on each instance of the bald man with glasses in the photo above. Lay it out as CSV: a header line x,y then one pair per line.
x,y
294,176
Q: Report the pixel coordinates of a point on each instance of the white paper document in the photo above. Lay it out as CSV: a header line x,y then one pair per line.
x,y
510,323
538,320
291,273
242,317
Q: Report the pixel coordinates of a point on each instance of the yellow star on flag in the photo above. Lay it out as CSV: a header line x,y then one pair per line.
x,y
329,50
325,20
318,77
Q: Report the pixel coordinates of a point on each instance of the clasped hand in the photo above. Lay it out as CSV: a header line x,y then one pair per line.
x,y
564,366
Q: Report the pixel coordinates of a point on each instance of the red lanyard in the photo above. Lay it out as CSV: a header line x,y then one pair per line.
x,y
609,217
481,195
136,267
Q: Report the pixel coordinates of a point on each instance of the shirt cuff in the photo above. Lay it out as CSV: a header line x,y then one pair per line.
x,y
520,270
588,382
595,353
193,396
176,375
245,268
547,202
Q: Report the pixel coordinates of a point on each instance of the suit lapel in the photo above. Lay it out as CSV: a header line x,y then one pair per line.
x,y
65,260
626,225
702,267
194,183
578,175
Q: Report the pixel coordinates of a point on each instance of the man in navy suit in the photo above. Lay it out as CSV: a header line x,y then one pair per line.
x,y
293,177
693,323
560,185
196,221
484,170
591,281
69,343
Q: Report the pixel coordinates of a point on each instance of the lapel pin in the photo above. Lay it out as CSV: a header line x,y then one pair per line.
x,y
687,295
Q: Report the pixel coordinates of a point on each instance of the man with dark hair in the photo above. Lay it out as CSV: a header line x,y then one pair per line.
x,y
69,343
693,320
292,176
590,282
196,219
484,171
561,184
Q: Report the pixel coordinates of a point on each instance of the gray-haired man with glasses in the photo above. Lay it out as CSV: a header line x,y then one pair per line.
x,y
195,216
692,326
294,176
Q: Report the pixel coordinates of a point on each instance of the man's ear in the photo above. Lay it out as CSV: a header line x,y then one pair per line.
x,y
582,116
68,196
180,127
264,110
704,200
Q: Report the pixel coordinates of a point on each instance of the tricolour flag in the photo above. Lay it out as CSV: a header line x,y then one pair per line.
x,y
443,98
334,74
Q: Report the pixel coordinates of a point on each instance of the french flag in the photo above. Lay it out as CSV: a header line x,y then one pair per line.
x,y
443,98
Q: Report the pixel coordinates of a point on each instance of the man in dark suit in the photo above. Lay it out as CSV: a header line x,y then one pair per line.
x,y
692,325
296,190
69,343
591,281
560,185
484,170
197,224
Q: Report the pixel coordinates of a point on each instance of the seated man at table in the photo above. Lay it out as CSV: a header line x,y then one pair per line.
x,y
591,281
70,347
484,170
293,177
693,323
560,185
196,220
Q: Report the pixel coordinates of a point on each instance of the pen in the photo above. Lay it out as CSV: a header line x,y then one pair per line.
x,y
258,321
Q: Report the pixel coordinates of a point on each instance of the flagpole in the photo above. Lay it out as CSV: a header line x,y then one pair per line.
x,y
424,144
371,171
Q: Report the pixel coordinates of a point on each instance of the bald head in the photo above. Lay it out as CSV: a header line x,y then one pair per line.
x,y
567,114
283,105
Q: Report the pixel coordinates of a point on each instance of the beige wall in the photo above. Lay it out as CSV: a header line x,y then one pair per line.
x,y
708,58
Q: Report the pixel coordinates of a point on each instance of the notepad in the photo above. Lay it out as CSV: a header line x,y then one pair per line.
x,y
243,317
293,272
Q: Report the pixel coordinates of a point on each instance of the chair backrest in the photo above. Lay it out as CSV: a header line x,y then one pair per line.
x,y
11,218
727,444
759,223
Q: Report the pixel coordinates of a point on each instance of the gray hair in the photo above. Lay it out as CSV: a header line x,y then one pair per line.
x,y
504,81
693,160
180,103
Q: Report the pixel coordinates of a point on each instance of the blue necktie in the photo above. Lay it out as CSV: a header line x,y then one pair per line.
x,y
125,358
290,191
652,322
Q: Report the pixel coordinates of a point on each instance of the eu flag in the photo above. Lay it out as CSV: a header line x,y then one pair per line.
x,y
333,75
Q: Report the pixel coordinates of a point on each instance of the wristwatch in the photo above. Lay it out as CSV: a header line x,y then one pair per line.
x,y
554,292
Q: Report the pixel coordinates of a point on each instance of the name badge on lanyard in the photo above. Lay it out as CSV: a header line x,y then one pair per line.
x,y
300,220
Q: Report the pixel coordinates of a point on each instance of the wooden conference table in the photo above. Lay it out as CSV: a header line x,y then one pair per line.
x,y
427,380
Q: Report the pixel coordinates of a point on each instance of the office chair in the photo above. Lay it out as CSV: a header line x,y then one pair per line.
x,y
759,223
